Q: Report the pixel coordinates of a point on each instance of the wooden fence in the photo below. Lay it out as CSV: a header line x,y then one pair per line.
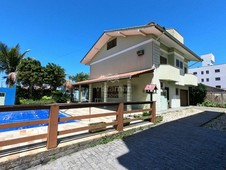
x,y
53,121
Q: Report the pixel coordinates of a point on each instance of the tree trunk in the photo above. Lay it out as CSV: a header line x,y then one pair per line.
x,y
30,92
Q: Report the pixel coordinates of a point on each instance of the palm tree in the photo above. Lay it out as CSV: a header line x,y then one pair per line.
x,y
9,60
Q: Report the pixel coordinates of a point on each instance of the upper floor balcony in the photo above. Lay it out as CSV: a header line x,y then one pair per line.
x,y
168,73
188,80
171,73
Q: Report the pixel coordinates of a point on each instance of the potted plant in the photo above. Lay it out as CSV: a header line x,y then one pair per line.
x,y
126,123
101,127
146,116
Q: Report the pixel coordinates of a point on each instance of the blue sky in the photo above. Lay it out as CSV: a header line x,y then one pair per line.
x,y
62,31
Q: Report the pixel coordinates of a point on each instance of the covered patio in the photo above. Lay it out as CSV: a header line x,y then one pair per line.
x,y
123,87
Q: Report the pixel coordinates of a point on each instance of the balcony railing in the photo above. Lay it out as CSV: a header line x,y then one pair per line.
x,y
188,80
168,73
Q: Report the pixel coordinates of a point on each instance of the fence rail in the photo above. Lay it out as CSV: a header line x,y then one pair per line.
x,y
53,121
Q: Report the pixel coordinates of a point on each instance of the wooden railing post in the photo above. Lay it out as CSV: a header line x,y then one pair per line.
x,y
119,117
53,126
153,111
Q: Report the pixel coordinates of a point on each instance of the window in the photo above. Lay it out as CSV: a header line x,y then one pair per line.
x,y
218,86
177,91
195,73
111,44
181,64
217,71
207,71
185,70
2,94
113,91
202,80
163,60
177,63
217,78
202,72
207,79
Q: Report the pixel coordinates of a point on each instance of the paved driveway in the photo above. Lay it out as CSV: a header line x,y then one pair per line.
x,y
181,144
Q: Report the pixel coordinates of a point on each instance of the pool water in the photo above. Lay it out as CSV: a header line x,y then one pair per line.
x,y
28,115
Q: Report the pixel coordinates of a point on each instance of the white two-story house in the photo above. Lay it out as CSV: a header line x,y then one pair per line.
x,y
124,61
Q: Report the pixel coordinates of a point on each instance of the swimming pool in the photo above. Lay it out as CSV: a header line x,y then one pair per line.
x,y
28,115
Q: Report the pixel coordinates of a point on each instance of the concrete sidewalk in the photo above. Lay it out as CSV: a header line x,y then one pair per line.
x,y
180,144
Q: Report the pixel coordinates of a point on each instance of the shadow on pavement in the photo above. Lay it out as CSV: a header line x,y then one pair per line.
x,y
181,144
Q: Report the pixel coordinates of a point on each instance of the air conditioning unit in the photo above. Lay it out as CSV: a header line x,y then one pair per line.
x,y
140,52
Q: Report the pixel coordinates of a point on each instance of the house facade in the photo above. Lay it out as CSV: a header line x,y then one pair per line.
x,y
210,74
124,61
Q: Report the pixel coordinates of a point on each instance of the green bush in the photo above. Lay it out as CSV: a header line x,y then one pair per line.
x,y
60,97
197,94
46,97
208,103
146,114
41,101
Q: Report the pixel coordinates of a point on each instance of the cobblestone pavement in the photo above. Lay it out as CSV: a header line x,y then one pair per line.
x,y
180,144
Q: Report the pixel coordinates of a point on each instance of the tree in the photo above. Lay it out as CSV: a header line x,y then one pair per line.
x,y
54,75
10,58
30,73
79,77
197,94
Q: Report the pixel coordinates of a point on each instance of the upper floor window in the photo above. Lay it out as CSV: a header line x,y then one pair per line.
x,y
202,72
217,71
202,80
185,70
195,73
207,71
218,86
163,60
217,78
207,79
111,44
179,64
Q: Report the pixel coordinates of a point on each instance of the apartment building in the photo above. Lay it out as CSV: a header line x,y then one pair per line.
x,y
210,74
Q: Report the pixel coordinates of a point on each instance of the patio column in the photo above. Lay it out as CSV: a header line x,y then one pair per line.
x,y
90,92
80,93
129,94
105,92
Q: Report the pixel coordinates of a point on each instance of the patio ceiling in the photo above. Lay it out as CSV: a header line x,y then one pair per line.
x,y
152,28
114,77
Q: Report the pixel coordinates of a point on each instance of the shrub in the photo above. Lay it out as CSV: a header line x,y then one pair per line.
x,y
60,97
47,97
197,94
41,101
146,114
208,103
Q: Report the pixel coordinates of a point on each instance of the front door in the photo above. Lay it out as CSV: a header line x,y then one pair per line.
x,y
184,97
167,96
97,94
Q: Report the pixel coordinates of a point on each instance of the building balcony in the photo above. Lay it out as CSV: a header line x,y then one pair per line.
x,y
168,73
188,80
